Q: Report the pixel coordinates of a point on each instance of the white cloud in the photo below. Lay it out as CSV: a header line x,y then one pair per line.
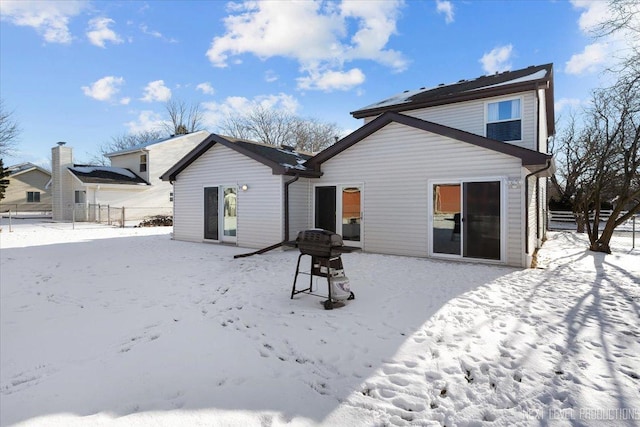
x,y
445,7
316,34
147,120
156,91
270,76
125,101
589,60
214,113
49,18
570,103
104,89
608,49
99,32
206,88
157,34
332,80
153,33
595,13
497,60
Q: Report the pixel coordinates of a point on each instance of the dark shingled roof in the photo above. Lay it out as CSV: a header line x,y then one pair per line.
x,y
509,82
90,174
282,160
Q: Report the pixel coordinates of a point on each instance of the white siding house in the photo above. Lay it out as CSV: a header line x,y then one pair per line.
x,y
233,191
454,172
402,165
131,181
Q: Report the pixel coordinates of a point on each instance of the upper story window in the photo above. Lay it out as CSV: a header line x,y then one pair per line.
x,y
504,120
143,163
33,197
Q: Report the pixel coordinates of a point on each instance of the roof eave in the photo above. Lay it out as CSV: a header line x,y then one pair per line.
x,y
460,97
528,157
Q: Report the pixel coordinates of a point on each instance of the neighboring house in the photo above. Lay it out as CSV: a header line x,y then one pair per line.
x,y
29,189
235,191
132,181
456,172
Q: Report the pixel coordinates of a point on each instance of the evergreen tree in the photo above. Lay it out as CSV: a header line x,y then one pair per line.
x,y
4,183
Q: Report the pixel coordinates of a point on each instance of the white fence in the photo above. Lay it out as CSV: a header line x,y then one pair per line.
x,y
116,215
568,216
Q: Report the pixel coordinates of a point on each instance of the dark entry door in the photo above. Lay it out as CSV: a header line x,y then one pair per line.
x,y
211,219
326,208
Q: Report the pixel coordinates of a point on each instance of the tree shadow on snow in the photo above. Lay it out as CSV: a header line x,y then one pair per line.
x,y
580,360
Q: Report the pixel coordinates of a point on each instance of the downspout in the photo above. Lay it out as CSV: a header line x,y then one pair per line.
x,y
526,204
286,206
286,223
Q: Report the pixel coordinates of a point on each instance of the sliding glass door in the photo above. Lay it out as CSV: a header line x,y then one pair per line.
x,y
221,213
446,219
466,219
481,220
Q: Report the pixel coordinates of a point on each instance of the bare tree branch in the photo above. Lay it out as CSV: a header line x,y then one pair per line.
x,y
9,131
183,119
275,127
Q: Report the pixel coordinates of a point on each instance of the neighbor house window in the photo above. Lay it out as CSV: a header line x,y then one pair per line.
x,y
81,196
33,197
143,163
504,120
171,197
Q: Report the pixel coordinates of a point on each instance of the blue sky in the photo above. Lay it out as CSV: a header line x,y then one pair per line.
x,y
85,71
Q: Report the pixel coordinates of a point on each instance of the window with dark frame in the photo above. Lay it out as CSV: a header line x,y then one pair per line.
x,y
80,196
504,120
143,163
33,197
171,197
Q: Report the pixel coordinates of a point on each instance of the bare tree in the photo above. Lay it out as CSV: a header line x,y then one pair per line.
x,y
313,135
124,142
183,118
600,163
615,134
573,160
276,127
9,131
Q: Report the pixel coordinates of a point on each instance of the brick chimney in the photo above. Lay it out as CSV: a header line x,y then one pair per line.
x,y
62,182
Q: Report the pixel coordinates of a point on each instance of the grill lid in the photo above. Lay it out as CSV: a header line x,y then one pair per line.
x,y
317,242
319,237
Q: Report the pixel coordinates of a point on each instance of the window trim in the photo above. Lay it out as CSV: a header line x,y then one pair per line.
x,y
80,197
144,164
34,195
497,101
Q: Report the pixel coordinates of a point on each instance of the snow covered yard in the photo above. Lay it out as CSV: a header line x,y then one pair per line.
x,y
125,327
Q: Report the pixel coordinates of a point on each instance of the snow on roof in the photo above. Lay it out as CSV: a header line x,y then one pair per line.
x,y
443,93
93,169
399,98
92,174
531,77
150,143
25,167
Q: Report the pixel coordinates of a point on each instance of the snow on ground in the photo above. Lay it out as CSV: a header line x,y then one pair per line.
x,y
126,327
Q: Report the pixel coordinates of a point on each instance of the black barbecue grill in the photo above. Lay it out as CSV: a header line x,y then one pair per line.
x,y
325,249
